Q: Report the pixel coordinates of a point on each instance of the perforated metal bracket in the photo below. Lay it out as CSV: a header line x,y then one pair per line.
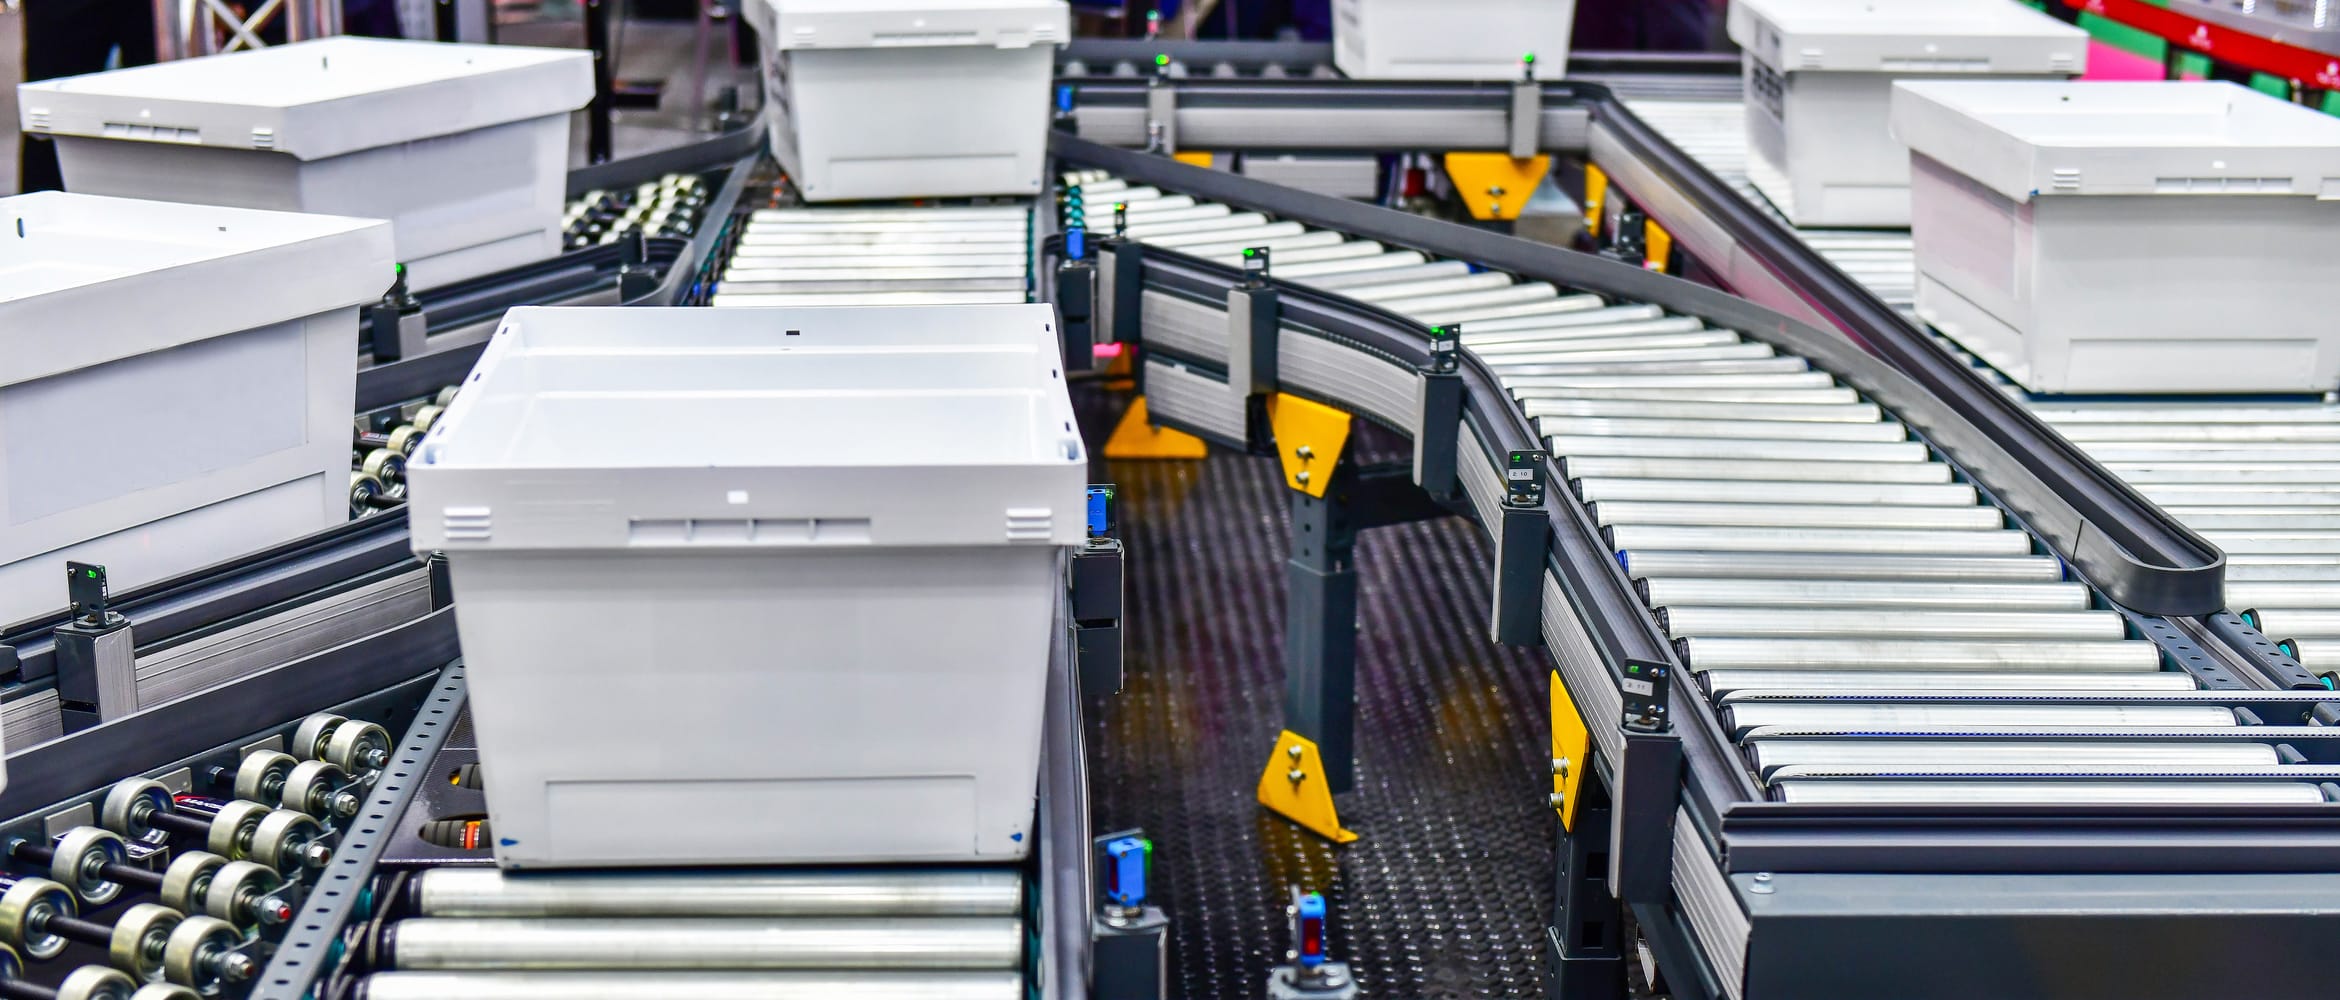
x,y
311,948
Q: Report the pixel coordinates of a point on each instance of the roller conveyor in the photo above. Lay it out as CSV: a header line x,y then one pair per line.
x,y
1794,529
2257,479
911,255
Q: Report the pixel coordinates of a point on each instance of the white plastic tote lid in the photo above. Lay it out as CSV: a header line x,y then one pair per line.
x,y
1907,36
315,99
85,280
2029,138
863,24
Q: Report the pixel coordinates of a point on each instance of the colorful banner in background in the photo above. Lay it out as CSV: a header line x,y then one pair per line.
x,y
2124,52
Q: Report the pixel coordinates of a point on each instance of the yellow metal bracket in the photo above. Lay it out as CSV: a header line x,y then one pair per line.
x,y
1571,745
1495,186
1659,247
1293,786
1195,158
1596,198
1309,439
1137,437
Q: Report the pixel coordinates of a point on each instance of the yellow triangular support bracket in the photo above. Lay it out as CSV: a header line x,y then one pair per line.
x,y
1309,439
1495,186
1659,250
1293,786
1196,158
1137,437
1571,753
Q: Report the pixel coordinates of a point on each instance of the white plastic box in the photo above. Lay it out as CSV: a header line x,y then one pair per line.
x,y
176,383
1819,81
909,98
2128,237
464,148
750,586
1452,39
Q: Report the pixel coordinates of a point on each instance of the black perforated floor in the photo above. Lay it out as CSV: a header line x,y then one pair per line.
x,y
1446,893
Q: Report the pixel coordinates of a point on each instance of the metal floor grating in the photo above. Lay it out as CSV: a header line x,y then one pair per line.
x,y
1446,894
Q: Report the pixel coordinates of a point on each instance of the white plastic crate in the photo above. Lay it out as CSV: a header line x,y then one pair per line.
x,y
176,383
1819,81
909,98
464,148
747,586
1452,39
2128,237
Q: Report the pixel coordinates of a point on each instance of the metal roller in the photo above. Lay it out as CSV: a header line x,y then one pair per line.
x,y
941,224
1207,226
1770,753
2296,624
2298,543
2152,473
921,213
1725,681
1724,450
912,241
2187,416
874,255
2278,519
1378,270
2246,571
1891,623
1567,359
1922,655
2244,496
1895,717
1253,236
1599,316
1718,430
1655,565
1785,515
1319,272
950,892
860,286
2283,595
1588,325
1520,383
1702,410
1630,466
1578,345
737,300
2220,452
875,277
1727,366
2085,434
1857,594
1289,247
2050,792
1608,489
839,943
1818,395
693,985
1483,314
1385,291
1630,538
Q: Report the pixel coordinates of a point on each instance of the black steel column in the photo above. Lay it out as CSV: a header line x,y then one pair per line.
x,y
1320,626
1587,933
597,114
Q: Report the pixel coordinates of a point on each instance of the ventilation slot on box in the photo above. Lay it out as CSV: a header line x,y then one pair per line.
x,y
1030,524
466,524
152,133
2222,185
654,532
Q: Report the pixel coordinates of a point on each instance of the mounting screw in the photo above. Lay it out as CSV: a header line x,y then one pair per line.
x,y
1558,800
1301,475
1305,452
1293,751
1295,774
1762,883
1560,766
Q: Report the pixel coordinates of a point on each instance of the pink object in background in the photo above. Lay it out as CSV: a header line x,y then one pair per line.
x,y
2106,62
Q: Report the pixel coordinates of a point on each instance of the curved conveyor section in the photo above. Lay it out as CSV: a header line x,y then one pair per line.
x,y
1868,625
2261,480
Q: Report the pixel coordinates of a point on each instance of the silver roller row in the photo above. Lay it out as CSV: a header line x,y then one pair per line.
x,y
910,255
1814,562
2261,480
873,934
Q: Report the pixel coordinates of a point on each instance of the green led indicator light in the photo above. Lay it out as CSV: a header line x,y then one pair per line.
x,y
1162,59
1250,253
1530,58
91,573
